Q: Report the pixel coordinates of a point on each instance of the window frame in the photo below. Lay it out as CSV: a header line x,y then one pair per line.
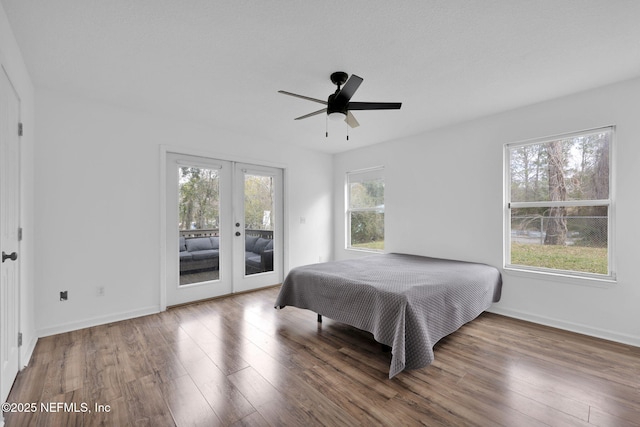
x,y
610,277
375,170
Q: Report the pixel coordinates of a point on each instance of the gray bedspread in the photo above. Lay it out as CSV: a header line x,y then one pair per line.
x,y
407,302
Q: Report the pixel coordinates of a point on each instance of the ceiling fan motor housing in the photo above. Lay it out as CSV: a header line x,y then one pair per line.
x,y
335,106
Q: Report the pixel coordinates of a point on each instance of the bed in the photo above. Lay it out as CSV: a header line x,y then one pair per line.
x,y
407,302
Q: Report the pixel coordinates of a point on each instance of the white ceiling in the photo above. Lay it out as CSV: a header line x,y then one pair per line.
x,y
222,62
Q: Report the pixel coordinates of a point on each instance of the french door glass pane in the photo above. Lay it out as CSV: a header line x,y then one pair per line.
x,y
198,224
259,199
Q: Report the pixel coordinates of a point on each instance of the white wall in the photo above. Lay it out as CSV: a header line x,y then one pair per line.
x,y
11,60
90,181
98,205
444,198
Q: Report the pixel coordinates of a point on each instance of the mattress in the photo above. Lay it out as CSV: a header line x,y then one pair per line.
x,y
407,302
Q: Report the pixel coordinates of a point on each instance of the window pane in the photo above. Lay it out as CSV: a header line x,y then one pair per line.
x,y
367,230
259,220
367,194
571,168
199,221
573,239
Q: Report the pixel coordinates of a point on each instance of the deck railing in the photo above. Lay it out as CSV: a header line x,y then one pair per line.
x,y
200,233
189,234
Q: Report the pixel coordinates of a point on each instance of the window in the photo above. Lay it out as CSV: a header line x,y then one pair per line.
x,y
559,203
365,209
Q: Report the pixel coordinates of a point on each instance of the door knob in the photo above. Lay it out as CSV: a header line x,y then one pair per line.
x,y
13,256
237,233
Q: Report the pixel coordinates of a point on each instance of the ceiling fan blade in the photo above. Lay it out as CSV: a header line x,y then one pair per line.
x,y
324,110
349,89
374,105
320,101
351,120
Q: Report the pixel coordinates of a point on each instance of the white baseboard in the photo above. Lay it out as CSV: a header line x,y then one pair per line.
x,y
569,326
27,351
95,321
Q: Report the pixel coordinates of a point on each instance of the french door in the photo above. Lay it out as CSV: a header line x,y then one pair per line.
x,y
9,225
224,227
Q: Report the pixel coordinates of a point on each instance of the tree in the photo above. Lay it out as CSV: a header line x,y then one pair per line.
x,y
528,173
258,202
594,228
367,225
556,231
198,198
570,169
601,172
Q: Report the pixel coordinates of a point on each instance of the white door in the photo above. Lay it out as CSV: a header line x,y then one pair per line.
x,y
215,209
199,241
9,224
258,227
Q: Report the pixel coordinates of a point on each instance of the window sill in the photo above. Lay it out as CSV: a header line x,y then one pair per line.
x,y
371,251
599,282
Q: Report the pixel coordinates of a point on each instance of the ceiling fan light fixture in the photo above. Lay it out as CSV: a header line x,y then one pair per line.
x,y
337,116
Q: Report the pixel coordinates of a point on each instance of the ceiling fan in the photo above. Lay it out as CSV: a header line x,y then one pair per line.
x,y
339,105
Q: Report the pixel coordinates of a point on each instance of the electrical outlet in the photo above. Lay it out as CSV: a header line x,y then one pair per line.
x,y
100,291
64,295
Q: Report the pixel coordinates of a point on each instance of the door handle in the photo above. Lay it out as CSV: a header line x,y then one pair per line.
x,y
13,256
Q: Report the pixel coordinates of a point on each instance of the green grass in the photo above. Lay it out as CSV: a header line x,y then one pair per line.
x,y
573,258
377,245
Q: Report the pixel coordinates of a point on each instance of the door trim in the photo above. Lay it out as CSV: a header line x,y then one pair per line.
x,y
189,151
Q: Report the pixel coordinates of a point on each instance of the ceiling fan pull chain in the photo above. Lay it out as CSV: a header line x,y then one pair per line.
x,y
326,126
347,130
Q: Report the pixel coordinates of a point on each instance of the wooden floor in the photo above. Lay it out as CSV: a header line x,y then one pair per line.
x,y
237,361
